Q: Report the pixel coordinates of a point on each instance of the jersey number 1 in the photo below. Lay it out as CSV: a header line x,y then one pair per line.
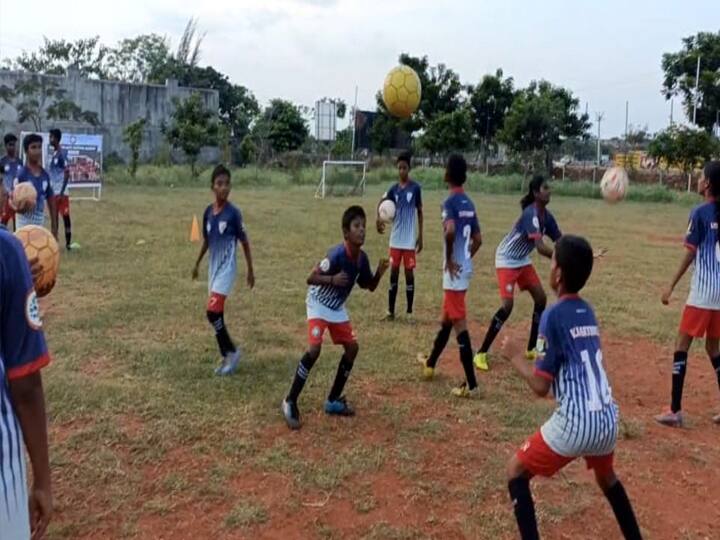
x,y
598,388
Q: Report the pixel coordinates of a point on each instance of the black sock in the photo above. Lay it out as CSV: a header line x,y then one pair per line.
x,y
537,313
716,366
217,320
524,508
392,293
495,326
341,377
623,510
301,374
466,358
68,230
410,292
439,345
678,379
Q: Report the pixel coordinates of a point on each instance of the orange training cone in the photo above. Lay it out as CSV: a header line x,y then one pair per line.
x,y
195,230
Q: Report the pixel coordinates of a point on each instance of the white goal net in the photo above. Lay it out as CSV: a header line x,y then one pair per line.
x,y
342,178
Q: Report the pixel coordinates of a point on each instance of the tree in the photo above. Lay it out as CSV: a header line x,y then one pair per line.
x,y
38,98
448,132
489,102
192,127
138,60
683,147
133,136
383,133
680,76
342,148
56,56
637,136
282,125
541,117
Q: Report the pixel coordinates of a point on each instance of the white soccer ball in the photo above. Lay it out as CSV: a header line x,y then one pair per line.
x,y
614,184
386,211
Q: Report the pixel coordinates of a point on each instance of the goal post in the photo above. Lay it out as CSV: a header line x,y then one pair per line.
x,y
341,182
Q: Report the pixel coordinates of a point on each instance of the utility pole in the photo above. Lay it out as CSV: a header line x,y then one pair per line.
x,y
627,116
599,118
697,84
354,125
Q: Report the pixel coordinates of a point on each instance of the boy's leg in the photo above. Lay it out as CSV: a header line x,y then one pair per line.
x,y
466,352
691,324
303,371
216,317
506,285
617,497
392,292
540,300
65,211
409,261
439,344
521,498
344,369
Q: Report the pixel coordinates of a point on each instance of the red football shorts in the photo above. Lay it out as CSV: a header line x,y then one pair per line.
x,y
541,460
341,333
698,322
454,306
216,303
7,213
404,256
525,277
63,204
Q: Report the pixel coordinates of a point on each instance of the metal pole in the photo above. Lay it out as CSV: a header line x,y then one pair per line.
x,y
697,84
627,116
354,125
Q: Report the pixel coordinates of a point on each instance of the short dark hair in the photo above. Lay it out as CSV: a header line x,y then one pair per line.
x,y
535,186
31,139
574,256
219,170
350,214
55,132
404,156
10,138
456,169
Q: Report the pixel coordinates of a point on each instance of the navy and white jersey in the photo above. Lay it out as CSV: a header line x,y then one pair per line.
x,y
56,169
408,200
44,190
223,231
702,238
327,302
585,422
9,168
22,352
459,209
515,249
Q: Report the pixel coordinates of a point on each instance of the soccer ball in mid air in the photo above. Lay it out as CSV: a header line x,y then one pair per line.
x,y
23,198
402,91
386,211
614,184
39,242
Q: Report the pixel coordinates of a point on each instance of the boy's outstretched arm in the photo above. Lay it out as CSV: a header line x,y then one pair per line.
x,y
382,267
29,401
537,383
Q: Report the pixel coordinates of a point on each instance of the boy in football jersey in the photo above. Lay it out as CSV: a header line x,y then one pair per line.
x,y
9,166
223,228
34,173
570,362
330,284
23,353
59,172
406,237
701,316
462,241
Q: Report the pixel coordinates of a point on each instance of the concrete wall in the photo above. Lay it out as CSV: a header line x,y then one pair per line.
x,y
117,104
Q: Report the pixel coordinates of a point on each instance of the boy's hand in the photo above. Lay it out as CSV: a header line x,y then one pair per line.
x,y
665,298
383,265
195,272
251,279
419,245
453,269
380,226
36,269
340,280
40,507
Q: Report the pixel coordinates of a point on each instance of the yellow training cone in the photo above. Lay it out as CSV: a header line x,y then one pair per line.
x,y
195,230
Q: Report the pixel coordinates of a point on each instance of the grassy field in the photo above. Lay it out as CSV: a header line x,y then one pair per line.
x,y
146,443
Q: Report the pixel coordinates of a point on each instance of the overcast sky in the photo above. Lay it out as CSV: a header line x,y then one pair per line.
x,y
605,52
